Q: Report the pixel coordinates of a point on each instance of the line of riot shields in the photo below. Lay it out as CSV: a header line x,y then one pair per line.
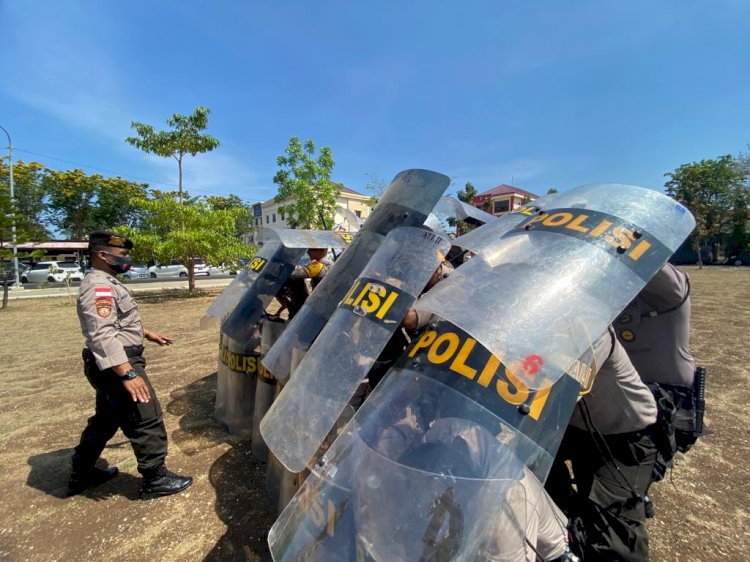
x,y
445,457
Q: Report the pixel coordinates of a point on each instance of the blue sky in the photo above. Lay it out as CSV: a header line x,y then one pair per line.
x,y
539,94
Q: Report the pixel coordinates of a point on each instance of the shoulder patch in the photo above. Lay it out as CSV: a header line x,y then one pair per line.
x,y
103,301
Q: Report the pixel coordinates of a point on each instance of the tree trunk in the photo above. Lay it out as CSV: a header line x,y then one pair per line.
x,y
191,275
5,293
697,248
179,180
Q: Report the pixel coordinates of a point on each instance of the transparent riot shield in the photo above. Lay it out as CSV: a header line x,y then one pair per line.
x,y
265,389
421,473
351,223
369,313
450,208
571,267
242,303
487,235
236,381
406,202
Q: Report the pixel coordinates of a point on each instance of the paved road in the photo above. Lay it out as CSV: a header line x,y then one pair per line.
x,y
140,286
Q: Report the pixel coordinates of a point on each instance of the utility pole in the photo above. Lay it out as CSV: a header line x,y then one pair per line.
x,y
13,206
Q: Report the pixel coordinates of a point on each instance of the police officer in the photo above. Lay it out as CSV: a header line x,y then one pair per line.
x,y
611,445
317,268
654,329
115,367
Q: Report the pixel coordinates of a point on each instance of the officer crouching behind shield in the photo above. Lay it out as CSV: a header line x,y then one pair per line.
x,y
611,444
114,365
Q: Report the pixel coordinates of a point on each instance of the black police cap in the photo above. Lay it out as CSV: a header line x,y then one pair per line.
x,y
105,238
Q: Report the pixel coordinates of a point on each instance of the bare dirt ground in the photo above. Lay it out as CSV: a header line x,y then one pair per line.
x,y
702,514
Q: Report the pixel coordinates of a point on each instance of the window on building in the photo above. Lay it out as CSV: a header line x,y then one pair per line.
x,y
266,219
273,217
281,217
501,207
358,213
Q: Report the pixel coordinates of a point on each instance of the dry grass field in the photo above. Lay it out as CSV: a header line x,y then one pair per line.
x,y
702,513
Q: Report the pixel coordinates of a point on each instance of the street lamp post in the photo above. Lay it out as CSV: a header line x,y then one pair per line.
x,y
13,206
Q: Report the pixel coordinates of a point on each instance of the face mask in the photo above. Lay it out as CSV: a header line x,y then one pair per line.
x,y
121,264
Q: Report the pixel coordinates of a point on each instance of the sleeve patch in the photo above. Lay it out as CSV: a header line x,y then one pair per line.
x,y
103,307
103,301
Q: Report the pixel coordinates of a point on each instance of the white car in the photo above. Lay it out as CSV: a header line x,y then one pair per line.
x,y
137,272
52,272
174,269
200,267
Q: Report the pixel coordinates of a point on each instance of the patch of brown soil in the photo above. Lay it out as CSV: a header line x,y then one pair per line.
x,y
702,514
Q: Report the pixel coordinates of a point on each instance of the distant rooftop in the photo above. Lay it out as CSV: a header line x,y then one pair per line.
x,y
505,189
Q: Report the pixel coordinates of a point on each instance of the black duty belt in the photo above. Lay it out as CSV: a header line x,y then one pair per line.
x,y
130,350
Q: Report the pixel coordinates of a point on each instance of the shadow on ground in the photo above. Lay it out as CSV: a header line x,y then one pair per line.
x,y
194,405
238,478
50,473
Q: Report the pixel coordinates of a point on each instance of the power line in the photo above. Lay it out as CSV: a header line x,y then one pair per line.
x,y
89,166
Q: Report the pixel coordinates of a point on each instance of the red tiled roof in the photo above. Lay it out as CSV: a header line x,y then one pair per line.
x,y
505,189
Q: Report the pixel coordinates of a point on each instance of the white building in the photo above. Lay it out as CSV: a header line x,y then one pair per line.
x,y
267,213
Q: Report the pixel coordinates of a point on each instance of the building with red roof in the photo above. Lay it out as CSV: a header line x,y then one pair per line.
x,y
503,199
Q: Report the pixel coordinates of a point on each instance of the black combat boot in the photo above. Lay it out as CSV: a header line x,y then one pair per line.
x,y
162,482
81,480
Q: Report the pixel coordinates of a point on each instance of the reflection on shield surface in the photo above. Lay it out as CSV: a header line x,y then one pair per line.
x,y
570,268
407,202
368,315
444,460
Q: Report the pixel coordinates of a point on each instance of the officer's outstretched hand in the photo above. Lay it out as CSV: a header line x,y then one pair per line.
x,y
137,389
157,338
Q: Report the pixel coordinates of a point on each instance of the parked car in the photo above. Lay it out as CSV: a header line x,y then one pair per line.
x,y
200,267
137,272
739,259
174,269
8,272
53,272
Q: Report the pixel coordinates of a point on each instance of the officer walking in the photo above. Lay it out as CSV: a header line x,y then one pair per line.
x,y
115,367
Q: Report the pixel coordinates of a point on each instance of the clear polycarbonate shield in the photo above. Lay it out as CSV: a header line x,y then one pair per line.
x,y
407,202
421,473
571,268
242,303
236,380
368,315
450,208
487,235
351,223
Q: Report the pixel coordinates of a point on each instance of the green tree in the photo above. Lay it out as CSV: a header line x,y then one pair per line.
x,y
552,190
29,192
468,194
78,203
377,187
306,192
244,220
24,233
184,138
71,197
174,230
710,190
